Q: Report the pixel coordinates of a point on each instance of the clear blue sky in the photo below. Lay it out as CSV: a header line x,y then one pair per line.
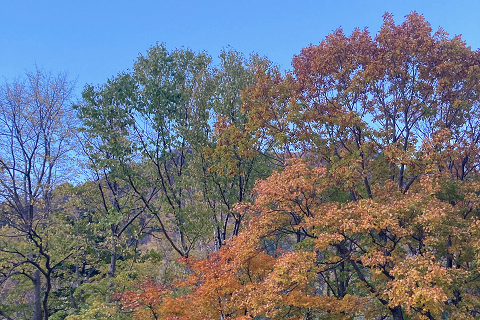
x,y
94,40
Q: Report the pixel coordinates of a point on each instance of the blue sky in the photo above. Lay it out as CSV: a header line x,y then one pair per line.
x,y
94,40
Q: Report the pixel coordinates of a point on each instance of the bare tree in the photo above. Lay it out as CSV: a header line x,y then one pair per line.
x,y
36,138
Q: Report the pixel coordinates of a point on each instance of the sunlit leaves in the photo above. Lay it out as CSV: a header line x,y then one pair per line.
x,y
375,212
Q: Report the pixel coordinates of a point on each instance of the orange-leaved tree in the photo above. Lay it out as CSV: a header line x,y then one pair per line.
x,y
376,213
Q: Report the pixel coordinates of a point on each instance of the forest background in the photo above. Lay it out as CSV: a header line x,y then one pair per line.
x,y
200,190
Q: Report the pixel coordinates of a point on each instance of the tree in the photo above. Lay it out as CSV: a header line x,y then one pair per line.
x,y
115,205
36,141
232,157
154,116
156,131
377,211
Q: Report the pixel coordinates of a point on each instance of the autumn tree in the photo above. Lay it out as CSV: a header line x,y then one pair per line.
x,y
173,130
232,157
377,211
36,141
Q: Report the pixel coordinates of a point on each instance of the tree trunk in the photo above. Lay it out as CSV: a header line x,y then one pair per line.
x,y
37,299
72,299
113,262
397,313
48,288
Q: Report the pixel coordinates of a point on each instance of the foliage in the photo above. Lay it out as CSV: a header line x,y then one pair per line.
x,y
376,212
36,141
347,188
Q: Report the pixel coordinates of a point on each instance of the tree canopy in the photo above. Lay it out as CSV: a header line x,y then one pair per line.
x,y
347,188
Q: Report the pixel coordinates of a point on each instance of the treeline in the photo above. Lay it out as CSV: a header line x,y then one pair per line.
x,y
344,189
